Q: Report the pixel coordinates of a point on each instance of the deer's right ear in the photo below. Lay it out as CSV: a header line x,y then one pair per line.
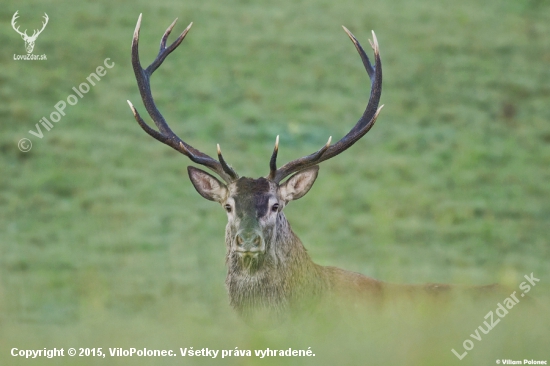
x,y
207,185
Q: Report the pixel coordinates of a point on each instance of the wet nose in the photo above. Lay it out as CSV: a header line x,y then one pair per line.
x,y
248,242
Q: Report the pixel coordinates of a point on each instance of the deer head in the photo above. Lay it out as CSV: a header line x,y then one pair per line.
x,y
29,40
254,214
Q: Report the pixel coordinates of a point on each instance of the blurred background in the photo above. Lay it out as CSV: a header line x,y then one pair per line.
x,y
105,243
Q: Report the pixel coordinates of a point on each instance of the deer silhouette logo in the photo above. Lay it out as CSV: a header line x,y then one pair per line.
x,y
29,40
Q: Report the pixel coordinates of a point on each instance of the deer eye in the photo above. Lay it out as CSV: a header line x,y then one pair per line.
x,y
227,207
275,207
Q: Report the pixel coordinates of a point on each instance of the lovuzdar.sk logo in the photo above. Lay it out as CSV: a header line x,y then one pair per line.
x,y
29,40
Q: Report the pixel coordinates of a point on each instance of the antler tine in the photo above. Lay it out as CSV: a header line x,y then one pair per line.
x,y
362,126
273,160
225,166
165,134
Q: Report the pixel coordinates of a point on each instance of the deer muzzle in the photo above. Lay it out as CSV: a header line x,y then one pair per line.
x,y
249,244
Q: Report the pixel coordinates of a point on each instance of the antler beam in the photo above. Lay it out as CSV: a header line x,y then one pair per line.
x,y
13,21
165,134
363,126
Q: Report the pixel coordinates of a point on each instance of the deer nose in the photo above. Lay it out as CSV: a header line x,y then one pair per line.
x,y
249,242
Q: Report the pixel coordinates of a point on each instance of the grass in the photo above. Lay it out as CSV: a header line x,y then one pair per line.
x,y
105,243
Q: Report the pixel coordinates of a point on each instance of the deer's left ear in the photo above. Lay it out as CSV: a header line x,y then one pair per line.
x,y
299,184
207,185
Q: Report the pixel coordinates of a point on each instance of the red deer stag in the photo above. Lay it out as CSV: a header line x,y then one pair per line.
x,y
269,270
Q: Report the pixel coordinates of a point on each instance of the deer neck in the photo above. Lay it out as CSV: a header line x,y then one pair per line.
x,y
285,278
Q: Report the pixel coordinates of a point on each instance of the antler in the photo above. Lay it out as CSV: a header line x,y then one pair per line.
x,y
363,126
37,32
13,19
165,134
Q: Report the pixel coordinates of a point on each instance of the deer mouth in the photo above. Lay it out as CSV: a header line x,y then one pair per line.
x,y
249,259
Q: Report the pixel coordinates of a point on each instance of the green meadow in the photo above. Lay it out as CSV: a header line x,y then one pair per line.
x,y
104,242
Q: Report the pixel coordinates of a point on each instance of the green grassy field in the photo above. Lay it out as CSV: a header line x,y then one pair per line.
x,y
105,243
